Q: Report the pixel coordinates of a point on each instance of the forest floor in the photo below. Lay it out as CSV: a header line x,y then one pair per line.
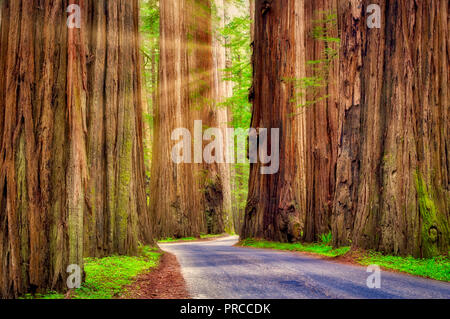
x,y
108,277
164,282
219,269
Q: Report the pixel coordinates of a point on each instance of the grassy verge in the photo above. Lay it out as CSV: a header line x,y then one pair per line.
x,y
435,268
107,277
172,240
212,236
321,249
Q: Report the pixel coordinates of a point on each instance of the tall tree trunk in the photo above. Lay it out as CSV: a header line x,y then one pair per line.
x,y
175,189
116,192
202,90
187,198
321,121
273,209
70,109
1,4
312,140
221,90
351,22
401,201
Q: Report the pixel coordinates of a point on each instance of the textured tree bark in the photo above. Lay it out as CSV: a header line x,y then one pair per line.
x,y
273,208
1,4
175,201
202,95
376,151
28,125
187,198
321,126
315,127
352,24
400,108
70,110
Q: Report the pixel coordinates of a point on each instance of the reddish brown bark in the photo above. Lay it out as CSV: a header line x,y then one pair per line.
x,y
401,204
376,168
310,136
273,209
352,23
71,168
175,201
320,133
188,198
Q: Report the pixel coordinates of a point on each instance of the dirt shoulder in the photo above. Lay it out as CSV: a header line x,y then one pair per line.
x,y
164,282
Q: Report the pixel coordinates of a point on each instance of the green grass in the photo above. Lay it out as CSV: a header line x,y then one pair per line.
x,y
211,236
319,248
203,236
171,240
435,268
49,295
107,277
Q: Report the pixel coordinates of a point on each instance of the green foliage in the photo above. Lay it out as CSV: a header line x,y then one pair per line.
x,y
202,236
149,28
318,248
149,12
107,277
49,295
171,239
310,89
431,220
236,37
326,238
206,236
150,17
435,268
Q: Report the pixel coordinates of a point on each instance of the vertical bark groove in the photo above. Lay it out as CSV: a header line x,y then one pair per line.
x,y
273,207
395,196
70,108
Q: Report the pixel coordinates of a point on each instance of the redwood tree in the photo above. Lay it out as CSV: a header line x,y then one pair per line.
x,y
274,201
71,168
394,197
376,149
321,112
187,198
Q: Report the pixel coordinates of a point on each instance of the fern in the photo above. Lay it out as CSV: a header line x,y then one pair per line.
x,y
327,238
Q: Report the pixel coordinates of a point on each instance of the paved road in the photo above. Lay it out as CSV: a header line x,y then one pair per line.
x,y
216,270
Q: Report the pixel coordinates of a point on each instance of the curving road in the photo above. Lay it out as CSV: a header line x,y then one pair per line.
x,y
217,270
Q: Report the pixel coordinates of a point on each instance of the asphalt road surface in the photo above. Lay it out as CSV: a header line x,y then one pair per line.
x,y
217,270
